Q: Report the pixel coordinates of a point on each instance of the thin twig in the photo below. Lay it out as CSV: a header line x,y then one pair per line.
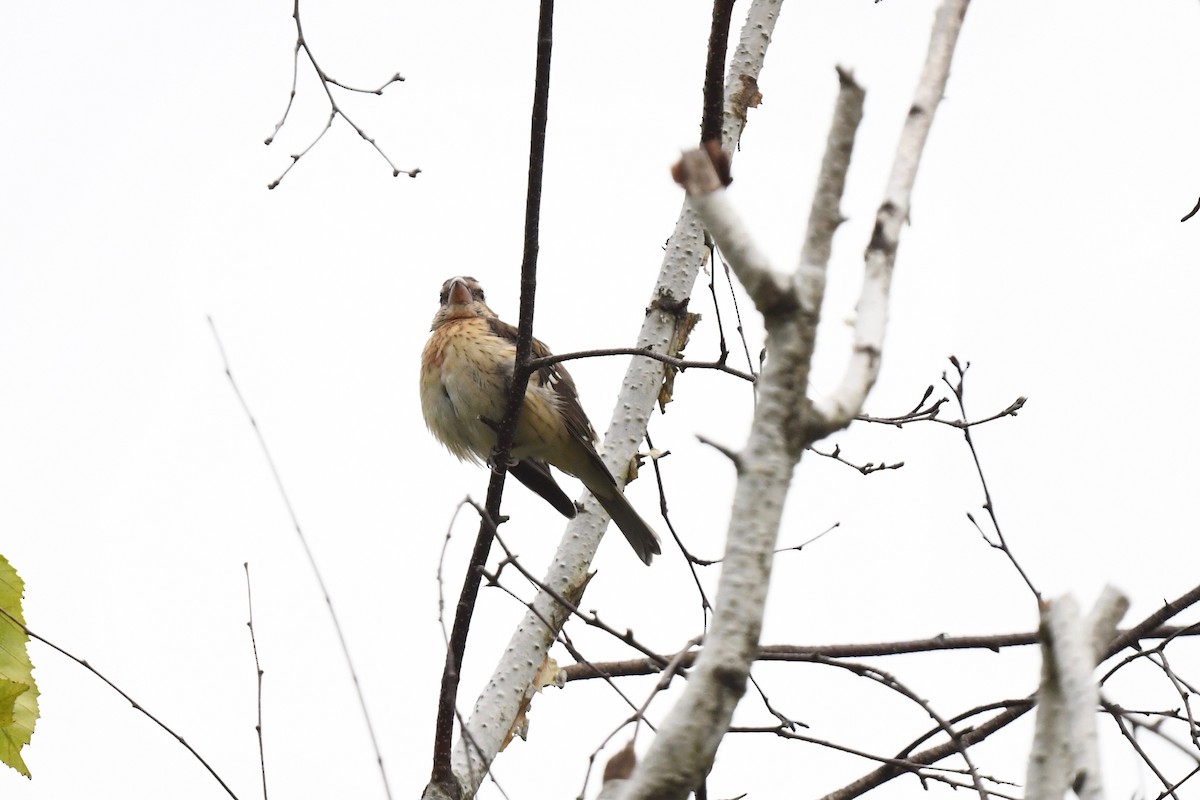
x,y
794,652
728,452
334,109
1147,628
922,771
1179,783
561,636
312,561
798,547
664,681
722,347
592,618
258,729
705,604
701,562
988,504
1155,727
136,705
932,755
923,413
1118,718
865,469
679,363
737,313
442,775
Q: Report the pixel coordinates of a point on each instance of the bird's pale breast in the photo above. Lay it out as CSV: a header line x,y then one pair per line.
x,y
465,375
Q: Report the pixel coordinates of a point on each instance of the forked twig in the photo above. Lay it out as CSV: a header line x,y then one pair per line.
x,y
335,110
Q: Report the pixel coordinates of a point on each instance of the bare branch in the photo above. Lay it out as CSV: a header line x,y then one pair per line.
x,y
1191,213
922,771
1016,710
679,363
989,505
737,312
865,469
258,674
447,778
334,109
846,401
825,215
1119,718
798,652
692,561
312,561
136,705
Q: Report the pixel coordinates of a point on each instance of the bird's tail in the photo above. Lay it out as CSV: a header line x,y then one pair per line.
x,y
640,535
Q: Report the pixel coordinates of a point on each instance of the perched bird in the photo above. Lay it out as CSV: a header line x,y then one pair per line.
x,y
466,372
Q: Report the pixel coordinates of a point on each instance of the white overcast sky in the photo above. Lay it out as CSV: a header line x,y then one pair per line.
x,y
1045,247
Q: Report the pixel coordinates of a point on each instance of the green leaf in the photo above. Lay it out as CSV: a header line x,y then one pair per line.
x,y
18,692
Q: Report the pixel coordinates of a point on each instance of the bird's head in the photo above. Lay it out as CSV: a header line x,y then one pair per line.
x,y
461,298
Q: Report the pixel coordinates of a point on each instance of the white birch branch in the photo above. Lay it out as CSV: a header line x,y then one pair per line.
x,y
1065,753
687,740
501,699
825,215
784,423
846,401
766,287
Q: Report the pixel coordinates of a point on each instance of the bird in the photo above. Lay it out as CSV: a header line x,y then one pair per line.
x,y
466,375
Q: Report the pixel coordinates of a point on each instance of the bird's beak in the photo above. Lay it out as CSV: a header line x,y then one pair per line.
x,y
460,293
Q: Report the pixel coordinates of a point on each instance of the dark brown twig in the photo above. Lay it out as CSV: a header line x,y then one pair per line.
x,y
561,637
1147,628
714,72
679,363
1118,717
737,313
592,619
922,771
790,652
639,716
1179,783
705,604
932,755
1191,213
442,774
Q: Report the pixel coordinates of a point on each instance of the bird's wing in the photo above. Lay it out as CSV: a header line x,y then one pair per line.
x,y
556,378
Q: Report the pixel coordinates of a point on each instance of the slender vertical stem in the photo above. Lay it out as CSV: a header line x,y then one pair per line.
x,y
442,775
